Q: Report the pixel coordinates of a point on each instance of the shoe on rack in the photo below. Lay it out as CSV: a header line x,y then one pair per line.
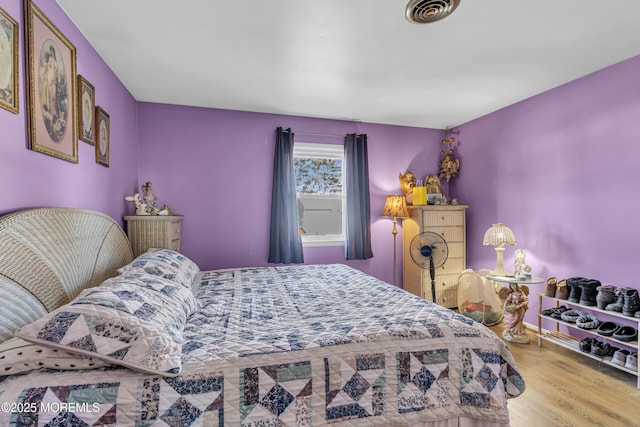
x,y
626,333
555,312
607,329
606,295
631,302
574,288
550,288
587,321
620,357
632,362
562,292
600,348
570,316
588,294
617,305
585,344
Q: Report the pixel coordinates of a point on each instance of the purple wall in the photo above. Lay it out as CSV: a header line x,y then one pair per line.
x,y
215,167
562,170
32,179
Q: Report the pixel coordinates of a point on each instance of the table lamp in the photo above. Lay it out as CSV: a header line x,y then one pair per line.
x,y
499,235
395,207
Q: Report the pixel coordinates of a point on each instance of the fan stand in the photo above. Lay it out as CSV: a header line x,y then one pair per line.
x,y
427,252
431,246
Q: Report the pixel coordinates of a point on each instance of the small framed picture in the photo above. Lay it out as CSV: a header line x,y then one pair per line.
x,y
51,87
8,62
102,137
86,111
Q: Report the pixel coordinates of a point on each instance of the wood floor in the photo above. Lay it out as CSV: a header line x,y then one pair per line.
x,y
567,389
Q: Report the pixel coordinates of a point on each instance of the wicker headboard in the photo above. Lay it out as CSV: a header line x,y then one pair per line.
x,y
49,255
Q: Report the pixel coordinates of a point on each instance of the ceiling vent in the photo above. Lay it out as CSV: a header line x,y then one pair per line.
x,y
427,11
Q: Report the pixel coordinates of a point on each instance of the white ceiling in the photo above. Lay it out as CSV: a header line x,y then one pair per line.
x,y
354,59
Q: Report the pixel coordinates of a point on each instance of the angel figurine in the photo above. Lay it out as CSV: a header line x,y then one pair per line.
x,y
516,303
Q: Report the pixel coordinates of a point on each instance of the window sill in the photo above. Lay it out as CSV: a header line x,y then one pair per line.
x,y
311,241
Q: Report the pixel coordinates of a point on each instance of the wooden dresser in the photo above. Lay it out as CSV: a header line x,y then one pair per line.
x,y
153,231
449,222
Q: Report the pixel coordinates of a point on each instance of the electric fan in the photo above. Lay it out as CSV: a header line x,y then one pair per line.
x,y
429,250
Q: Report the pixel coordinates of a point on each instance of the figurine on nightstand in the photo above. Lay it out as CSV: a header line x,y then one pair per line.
x,y
141,208
516,303
149,199
522,270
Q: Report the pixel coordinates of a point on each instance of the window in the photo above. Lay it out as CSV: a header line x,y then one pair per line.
x,y
320,191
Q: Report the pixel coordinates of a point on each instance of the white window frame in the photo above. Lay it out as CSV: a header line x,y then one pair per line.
x,y
325,151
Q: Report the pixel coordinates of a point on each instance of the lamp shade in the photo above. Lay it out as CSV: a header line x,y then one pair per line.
x,y
395,207
498,235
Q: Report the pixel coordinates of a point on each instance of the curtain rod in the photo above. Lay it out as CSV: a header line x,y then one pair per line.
x,y
318,134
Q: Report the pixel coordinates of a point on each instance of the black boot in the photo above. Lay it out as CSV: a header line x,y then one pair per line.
x,y
574,288
606,295
589,292
631,302
617,304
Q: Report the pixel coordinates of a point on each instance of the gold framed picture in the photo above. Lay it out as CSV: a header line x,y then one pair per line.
x,y
8,62
51,87
102,137
86,111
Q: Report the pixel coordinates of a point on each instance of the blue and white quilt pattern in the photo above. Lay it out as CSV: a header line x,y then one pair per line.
x,y
297,346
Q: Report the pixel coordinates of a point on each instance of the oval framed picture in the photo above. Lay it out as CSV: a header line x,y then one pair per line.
x,y
102,137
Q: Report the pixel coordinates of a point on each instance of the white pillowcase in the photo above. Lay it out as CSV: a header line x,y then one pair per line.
x,y
18,356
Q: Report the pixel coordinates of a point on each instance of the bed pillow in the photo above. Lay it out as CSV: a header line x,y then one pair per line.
x,y
165,263
133,320
18,356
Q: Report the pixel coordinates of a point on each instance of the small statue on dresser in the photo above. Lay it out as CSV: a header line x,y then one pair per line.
x,y
141,208
149,199
433,185
407,182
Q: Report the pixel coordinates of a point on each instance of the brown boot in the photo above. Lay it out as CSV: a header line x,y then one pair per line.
x,y
562,292
550,289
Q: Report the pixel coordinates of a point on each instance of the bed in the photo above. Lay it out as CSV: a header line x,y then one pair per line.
x,y
91,336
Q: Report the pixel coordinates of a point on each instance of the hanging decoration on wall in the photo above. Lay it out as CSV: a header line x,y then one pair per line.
x,y
449,165
8,62
51,87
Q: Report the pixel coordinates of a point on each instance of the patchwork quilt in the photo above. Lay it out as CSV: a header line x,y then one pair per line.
x,y
299,345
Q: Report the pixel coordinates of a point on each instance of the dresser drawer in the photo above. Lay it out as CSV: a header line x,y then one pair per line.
x,y
456,249
450,234
439,218
173,230
446,289
451,266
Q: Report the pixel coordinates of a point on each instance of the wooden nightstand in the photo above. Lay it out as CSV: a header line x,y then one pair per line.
x,y
153,231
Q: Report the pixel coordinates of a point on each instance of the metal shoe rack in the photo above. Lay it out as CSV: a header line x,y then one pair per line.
x,y
572,343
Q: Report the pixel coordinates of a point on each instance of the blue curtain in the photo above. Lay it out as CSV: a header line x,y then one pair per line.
x,y
285,244
358,225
